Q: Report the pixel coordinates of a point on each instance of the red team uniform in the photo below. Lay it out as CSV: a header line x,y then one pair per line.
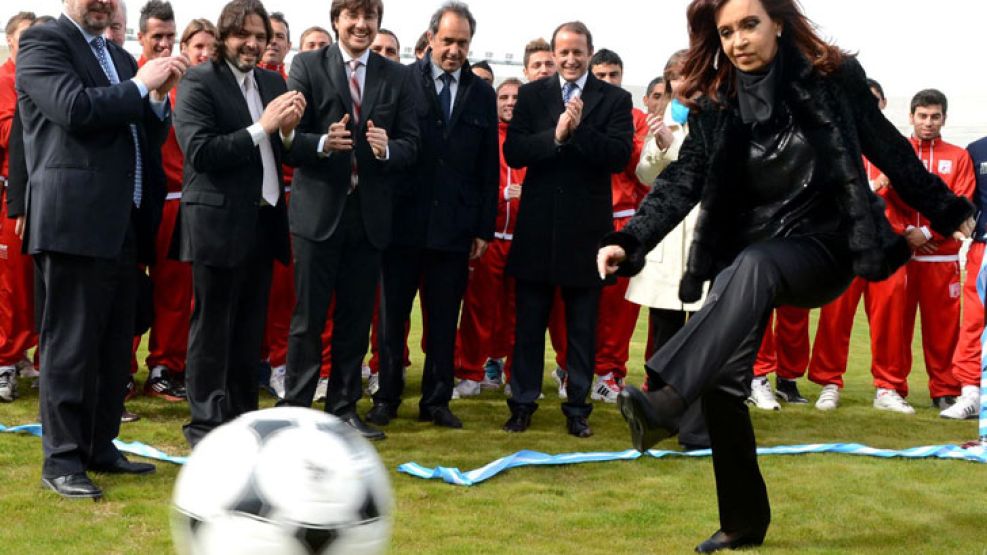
x,y
933,280
785,346
884,303
486,326
16,269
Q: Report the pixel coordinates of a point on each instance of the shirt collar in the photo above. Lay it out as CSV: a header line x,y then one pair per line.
x,y
347,57
89,37
581,82
437,72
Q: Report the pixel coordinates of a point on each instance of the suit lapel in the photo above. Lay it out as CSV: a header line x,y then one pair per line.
x,y
551,95
591,95
84,53
121,61
371,86
337,76
233,92
465,82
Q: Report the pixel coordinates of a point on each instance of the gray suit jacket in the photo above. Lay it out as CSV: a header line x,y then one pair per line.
x,y
320,184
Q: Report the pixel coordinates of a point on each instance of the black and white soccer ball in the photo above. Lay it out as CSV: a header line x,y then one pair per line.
x,y
283,481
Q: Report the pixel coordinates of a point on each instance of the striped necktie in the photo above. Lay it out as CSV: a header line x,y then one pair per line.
x,y
356,95
99,46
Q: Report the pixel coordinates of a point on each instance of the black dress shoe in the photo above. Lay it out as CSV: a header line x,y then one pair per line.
x,y
519,421
353,421
723,540
123,466
578,426
73,486
651,416
440,416
381,414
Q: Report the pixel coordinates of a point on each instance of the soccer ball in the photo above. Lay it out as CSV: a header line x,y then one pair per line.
x,y
282,481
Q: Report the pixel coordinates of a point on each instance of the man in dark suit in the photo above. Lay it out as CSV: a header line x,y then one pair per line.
x,y
232,222
446,217
356,139
572,131
90,120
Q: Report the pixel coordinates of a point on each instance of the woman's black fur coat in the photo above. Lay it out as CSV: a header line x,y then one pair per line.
x,y
841,120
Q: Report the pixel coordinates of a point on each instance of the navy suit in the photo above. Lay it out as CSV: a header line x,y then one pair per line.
x,y
84,231
448,201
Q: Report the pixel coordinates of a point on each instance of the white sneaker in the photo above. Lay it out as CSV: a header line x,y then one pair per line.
x,y
966,407
277,381
365,372
466,388
761,395
829,397
321,390
26,369
606,389
561,378
373,383
888,399
8,384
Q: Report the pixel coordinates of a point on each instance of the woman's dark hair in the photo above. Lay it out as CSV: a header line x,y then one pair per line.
x,y
705,69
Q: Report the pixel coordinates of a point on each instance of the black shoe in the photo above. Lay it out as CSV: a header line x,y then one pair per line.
x,y
381,414
944,402
127,416
123,466
73,486
353,421
688,447
722,540
440,416
578,426
519,421
167,386
788,391
652,416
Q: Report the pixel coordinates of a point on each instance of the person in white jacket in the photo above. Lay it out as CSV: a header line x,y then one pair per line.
x,y
657,286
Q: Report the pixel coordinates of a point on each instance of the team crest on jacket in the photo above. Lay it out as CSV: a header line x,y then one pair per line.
x,y
983,168
945,167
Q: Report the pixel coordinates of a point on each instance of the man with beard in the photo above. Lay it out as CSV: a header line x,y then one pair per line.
x,y
91,118
233,223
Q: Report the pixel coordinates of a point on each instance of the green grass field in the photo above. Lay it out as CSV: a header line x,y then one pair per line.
x,y
821,503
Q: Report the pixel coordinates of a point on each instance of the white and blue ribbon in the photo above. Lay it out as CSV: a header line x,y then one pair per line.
x,y
534,458
130,447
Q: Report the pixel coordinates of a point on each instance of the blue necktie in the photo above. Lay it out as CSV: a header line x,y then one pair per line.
x,y
567,91
445,96
99,45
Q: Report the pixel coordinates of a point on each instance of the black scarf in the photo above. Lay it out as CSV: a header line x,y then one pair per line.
x,y
756,92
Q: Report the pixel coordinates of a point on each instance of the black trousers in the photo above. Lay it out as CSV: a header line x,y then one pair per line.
x,y
663,325
442,276
712,357
225,335
87,330
533,306
348,266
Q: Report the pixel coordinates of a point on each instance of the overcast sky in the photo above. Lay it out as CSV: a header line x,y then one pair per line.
x,y
908,45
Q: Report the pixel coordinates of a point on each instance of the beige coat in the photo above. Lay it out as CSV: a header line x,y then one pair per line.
x,y
657,286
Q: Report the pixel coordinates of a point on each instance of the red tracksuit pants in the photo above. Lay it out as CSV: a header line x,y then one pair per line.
x,y
16,294
486,326
785,346
615,323
934,288
172,295
884,304
966,357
